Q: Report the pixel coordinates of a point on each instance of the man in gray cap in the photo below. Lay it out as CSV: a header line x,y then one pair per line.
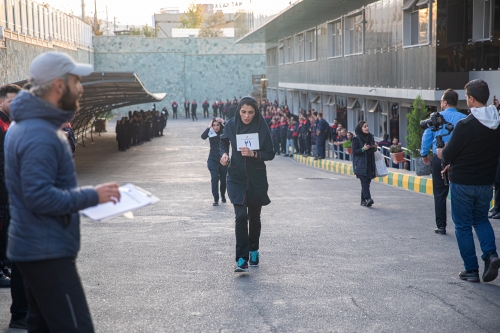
x,y
44,232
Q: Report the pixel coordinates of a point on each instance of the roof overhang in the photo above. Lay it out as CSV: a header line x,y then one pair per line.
x,y
301,16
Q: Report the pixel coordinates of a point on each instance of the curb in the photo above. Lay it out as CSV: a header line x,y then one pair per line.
x,y
408,182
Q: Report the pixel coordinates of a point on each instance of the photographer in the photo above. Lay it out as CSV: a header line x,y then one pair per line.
x,y
472,155
451,115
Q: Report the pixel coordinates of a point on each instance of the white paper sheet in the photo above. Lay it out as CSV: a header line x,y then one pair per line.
x,y
250,140
212,133
132,198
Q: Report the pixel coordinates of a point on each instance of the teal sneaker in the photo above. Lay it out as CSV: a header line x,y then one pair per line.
x,y
242,266
254,258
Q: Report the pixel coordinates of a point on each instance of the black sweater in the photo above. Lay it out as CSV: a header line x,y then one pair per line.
x,y
473,153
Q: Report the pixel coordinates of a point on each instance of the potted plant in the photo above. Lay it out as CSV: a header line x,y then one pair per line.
x,y
414,138
347,146
397,154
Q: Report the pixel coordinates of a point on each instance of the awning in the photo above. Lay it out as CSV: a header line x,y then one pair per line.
x,y
375,107
104,92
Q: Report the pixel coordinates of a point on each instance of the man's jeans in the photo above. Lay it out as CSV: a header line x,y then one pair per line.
x,y
469,208
289,142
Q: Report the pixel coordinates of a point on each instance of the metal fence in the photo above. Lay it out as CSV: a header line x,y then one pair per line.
x,y
42,22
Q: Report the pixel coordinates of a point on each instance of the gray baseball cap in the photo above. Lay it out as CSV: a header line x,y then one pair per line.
x,y
51,65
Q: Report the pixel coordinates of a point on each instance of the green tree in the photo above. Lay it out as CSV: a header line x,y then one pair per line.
x,y
96,26
415,132
148,31
213,24
193,18
134,31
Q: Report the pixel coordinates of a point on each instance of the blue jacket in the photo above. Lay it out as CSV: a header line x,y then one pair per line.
x,y
451,115
41,181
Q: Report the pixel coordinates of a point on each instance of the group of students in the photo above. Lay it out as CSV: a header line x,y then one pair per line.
x,y
139,127
220,109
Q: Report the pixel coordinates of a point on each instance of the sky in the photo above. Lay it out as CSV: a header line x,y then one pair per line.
x,y
141,12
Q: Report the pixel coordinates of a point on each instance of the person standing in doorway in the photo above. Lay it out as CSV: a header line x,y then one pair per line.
x,y
247,178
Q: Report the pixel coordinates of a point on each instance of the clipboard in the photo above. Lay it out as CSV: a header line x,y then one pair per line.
x,y
131,198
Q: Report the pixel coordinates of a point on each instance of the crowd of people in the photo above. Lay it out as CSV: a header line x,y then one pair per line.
x,y
139,127
224,110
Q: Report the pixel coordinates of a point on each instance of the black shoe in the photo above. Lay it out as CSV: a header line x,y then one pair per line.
x,y
496,216
4,282
363,203
290,156
215,204
223,199
470,276
440,231
286,155
369,202
316,158
19,324
491,266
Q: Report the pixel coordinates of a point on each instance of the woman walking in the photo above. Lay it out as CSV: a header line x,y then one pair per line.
x,y
217,171
363,149
246,178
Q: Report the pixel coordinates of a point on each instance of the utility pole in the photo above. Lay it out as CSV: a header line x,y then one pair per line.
x,y
83,10
107,21
95,16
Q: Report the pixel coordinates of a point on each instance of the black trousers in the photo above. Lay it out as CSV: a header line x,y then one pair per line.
x,y
308,145
440,192
56,300
174,114
187,113
193,115
497,196
19,307
283,144
276,145
365,187
217,173
205,113
247,230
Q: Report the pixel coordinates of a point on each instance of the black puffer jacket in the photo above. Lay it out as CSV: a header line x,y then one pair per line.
x,y
247,176
363,162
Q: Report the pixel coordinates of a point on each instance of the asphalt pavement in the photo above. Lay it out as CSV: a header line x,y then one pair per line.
x,y
327,264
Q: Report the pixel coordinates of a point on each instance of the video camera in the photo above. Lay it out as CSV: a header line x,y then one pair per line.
x,y
435,123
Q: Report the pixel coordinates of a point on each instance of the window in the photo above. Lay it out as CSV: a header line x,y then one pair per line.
x,y
311,44
335,39
354,31
288,50
299,47
271,57
416,22
281,52
482,19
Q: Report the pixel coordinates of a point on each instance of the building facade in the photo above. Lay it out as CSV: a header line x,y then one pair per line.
x,y
369,60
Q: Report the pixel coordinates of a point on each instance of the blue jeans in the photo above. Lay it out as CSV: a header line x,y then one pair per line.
x,y
289,142
469,208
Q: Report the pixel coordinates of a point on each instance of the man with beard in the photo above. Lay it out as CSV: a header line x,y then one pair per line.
x,y
44,231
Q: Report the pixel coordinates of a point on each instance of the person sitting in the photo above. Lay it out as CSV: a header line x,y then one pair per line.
x,y
338,144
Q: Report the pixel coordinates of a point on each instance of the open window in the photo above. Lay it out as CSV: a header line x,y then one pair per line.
x,y
416,22
354,29
335,39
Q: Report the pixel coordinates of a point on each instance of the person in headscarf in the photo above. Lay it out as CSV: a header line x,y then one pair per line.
x,y
217,171
246,178
363,150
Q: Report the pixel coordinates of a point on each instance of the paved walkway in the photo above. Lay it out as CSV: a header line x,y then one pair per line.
x,y
327,265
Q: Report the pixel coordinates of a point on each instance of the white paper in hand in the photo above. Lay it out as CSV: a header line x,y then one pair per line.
x,y
251,141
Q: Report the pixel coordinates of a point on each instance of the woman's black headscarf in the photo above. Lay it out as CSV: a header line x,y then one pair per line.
x,y
365,137
255,124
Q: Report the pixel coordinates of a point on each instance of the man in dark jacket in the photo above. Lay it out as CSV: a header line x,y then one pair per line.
x,y
187,104
283,127
321,136
205,107
472,154
174,109
194,106
44,232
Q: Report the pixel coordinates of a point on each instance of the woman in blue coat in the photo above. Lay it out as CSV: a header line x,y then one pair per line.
x,y
247,178
217,171
363,150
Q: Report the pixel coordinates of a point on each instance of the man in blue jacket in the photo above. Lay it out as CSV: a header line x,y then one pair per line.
x,y
450,113
44,232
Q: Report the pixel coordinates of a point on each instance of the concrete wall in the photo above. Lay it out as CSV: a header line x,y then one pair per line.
x,y
16,57
193,68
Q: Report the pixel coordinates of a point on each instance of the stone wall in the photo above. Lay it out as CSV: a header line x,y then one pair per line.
x,y
193,68
16,57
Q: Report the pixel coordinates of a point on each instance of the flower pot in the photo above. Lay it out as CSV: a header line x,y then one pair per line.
x,y
348,151
421,169
398,157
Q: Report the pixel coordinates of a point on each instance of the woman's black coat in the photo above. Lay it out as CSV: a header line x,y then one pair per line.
x,y
363,162
247,176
